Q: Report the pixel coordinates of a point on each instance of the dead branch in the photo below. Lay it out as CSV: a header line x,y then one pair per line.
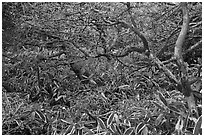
x,y
137,32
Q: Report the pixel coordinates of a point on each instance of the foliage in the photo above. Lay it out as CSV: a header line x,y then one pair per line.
x,y
127,92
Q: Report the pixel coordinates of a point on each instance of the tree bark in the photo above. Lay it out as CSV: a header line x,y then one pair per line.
x,y
184,82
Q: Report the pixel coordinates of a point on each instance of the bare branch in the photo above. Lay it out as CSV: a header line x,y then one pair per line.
x,y
168,61
186,87
76,46
129,50
137,32
164,68
182,35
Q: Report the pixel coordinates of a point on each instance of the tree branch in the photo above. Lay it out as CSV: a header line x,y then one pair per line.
x,y
164,68
137,32
76,46
182,35
166,42
186,87
129,50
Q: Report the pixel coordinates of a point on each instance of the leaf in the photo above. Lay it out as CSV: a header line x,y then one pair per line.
x,y
33,115
110,119
41,116
145,130
87,131
173,108
158,105
124,87
113,129
147,118
59,97
117,119
70,129
179,125
118,129
163,99
65,121
108,133
139,127
104,97
197,129
127,122
159,119
129,131
101,123
175,93
188,133
154,69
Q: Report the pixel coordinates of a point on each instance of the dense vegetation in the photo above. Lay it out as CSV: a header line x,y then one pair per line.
x,y
101,68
